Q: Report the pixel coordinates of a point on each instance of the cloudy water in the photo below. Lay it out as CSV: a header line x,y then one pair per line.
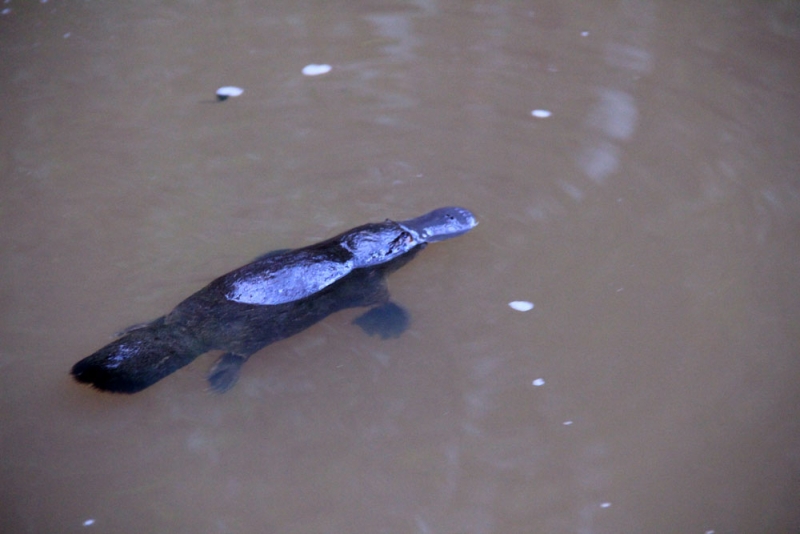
x,y
614,349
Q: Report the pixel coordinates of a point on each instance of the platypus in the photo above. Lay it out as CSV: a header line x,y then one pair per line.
x,y
271,298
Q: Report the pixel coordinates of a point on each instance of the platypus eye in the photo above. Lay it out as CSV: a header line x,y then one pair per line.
x,y
401,243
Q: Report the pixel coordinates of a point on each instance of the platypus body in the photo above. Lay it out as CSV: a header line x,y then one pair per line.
x,y
272,298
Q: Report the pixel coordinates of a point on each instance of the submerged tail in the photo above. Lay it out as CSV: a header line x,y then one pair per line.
x,y
138,359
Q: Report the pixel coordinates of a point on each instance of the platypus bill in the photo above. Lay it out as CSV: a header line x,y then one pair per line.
x,y
273,297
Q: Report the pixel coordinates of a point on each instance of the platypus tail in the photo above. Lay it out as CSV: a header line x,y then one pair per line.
x,y
138,359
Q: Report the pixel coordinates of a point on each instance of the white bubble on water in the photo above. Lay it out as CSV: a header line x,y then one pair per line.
x,y
521,305
538,382
541,113
605,505
229,91
315,70
88,523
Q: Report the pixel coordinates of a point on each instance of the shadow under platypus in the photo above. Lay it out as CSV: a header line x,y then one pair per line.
x,y
273,297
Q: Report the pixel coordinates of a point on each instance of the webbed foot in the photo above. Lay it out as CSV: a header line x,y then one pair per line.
x,y
225,372
388,320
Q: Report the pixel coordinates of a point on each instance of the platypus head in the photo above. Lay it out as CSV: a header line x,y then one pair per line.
x,y
379,243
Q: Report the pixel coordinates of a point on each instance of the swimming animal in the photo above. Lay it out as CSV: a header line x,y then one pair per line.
x,y
274,297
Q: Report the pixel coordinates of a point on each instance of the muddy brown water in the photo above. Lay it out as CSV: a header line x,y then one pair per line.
x,y
652,217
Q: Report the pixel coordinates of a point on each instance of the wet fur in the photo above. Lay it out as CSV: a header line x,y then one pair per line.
x,y
207,320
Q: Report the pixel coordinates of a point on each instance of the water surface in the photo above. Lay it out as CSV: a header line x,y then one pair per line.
x,y
652,219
